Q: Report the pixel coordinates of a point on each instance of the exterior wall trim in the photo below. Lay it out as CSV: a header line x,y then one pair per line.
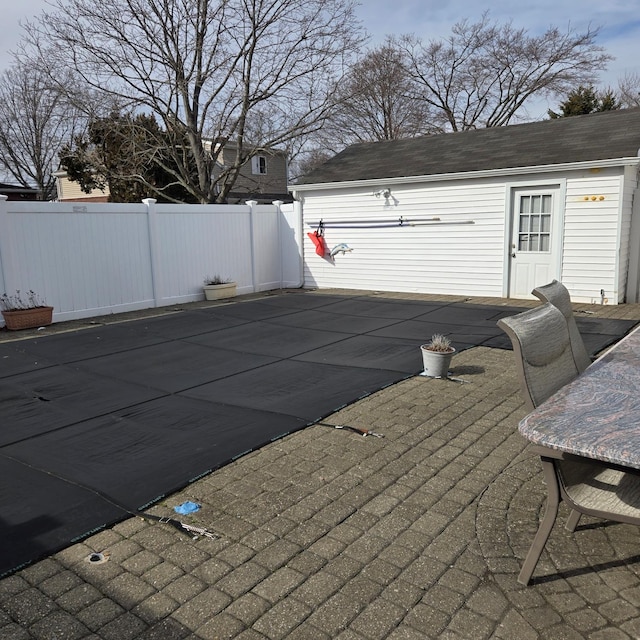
x,y
466,175
510,188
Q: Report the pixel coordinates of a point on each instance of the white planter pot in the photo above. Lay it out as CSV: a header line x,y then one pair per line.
x,y
219,291
436,363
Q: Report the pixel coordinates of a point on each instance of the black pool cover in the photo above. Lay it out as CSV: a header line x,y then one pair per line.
x,y
137,410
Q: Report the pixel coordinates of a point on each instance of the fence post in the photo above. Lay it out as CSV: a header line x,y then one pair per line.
x,y
278,204
5,245
291,241
154,250
252,204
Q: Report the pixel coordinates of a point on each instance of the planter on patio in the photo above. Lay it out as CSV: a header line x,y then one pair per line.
x,y
25,311
219,291
28,318
436,357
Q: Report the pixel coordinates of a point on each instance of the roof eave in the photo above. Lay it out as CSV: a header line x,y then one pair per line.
x,y
462,175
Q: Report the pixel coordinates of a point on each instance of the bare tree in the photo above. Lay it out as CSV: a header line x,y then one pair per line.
x,y
484,74
378,101
629,90
254,72
35,121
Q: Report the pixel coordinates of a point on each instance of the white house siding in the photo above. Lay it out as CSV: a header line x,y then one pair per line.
x,y
469,259
461,254
595,236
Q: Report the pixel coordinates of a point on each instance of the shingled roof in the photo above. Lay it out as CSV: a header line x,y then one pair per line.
x,y
598,136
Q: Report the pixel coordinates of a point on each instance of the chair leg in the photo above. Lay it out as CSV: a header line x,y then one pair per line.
x,y
572,520
546,524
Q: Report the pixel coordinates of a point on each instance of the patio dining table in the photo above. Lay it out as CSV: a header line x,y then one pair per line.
x,y
591,425
597,415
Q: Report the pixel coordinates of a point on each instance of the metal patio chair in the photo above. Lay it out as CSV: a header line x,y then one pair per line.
x,y
558,295
545,363
541,342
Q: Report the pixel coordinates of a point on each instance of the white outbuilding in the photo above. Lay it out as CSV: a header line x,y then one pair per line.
x,y
488,212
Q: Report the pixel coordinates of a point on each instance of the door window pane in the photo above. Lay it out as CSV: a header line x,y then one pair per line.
x,y
534,224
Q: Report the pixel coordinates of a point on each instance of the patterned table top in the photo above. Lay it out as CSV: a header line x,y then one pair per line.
x,y
598,414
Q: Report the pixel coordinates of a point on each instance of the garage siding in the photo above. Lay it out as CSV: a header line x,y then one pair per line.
x,y
459,253
463,253
591,250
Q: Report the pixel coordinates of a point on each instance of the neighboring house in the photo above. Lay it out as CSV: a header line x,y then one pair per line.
x,y
263,179
70,191
17,192
489,212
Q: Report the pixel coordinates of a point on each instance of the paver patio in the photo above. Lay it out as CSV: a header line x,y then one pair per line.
x,y
325,534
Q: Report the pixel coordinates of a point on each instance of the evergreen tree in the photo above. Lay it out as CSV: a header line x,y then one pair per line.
x,y
129,155
584,100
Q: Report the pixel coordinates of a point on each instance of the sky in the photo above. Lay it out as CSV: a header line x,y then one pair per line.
x,y
619,21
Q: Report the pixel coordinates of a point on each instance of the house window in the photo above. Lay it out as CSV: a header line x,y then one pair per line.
x,y
534,225
259,165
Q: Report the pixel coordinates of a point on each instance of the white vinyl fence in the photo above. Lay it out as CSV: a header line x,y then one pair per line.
x,y
93,259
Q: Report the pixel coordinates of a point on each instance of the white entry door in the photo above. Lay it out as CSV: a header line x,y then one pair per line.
x,y
534,255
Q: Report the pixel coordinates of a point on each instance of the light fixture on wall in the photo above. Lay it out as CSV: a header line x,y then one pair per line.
x,y
385,193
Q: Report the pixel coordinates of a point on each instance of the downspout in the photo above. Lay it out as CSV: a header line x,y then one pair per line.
x,y
633,267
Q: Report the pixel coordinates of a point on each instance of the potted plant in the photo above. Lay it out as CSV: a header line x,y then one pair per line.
x,y
217,288
436,356
25,312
